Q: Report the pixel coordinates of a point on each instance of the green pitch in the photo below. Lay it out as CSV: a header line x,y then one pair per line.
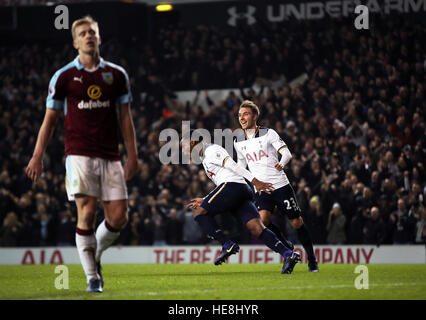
x,y
228,281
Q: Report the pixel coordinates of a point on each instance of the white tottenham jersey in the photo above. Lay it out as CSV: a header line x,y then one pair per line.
x,y
214,158
260,154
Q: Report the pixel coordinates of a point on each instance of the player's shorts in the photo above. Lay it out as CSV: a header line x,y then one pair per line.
x,y
96,177
283,198
233,197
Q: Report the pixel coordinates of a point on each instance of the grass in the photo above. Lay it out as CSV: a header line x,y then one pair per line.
x,y
225,282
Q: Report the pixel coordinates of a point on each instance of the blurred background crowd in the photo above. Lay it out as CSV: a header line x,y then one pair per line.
x,y
355,128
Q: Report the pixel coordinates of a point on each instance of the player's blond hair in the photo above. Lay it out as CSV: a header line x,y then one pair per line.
x,y
79,22
251,105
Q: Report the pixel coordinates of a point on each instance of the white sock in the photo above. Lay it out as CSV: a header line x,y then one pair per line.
x,y
105,238
86,246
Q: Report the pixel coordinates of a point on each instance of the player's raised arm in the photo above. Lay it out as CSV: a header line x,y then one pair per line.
x,y
129,137
35,166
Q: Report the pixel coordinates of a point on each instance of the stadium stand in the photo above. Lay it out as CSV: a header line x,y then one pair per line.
x,y
356,128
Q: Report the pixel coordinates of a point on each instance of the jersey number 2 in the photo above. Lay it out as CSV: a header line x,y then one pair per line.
x,y
291,205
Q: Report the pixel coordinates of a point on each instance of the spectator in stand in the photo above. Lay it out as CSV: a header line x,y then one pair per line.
x,y
159,227
402,224
173,228
336,225
136,229
65,229
9,232
192,233
421,226
316,220
375,229
375,92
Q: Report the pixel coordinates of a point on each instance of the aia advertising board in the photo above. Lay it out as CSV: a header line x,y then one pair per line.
x,y
393,254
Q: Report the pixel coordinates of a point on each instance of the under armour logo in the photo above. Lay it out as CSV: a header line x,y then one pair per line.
x,y
232,21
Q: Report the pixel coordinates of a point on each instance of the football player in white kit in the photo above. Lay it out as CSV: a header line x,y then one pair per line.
x,y
258,148
233,194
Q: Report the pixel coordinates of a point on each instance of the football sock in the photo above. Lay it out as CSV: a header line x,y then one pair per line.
x,y
105,237
306,241
270,239
85,241
274,228
210,227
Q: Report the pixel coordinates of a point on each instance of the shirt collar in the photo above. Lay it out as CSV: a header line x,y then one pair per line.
x,y
79,66
255,133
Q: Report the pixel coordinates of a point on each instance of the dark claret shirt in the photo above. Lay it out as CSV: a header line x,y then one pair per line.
x,y
90,100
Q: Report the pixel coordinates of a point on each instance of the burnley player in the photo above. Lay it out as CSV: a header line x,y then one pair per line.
x,y
258,148
234,195
95,97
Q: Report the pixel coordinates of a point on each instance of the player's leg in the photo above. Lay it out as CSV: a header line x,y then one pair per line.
x,y
266,217
215,202
210,227
268,237
83,187
85,239
305,239
221,199
287,203
251,219
108,231
114,200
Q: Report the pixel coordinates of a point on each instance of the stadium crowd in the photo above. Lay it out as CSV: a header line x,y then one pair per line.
x,y
355,127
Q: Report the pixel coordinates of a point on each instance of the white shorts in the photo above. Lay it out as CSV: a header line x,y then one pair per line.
x,y
96,177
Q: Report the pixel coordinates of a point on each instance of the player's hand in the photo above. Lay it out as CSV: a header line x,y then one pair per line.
x,y
262,186
194,203
34,168
278,166
131,167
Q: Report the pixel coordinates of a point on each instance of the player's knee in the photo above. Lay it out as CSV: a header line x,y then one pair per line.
x,y
255,227
119,221
86,219
297,223
266,217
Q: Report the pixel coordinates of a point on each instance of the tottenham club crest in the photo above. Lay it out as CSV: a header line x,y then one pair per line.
x,y
108,78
